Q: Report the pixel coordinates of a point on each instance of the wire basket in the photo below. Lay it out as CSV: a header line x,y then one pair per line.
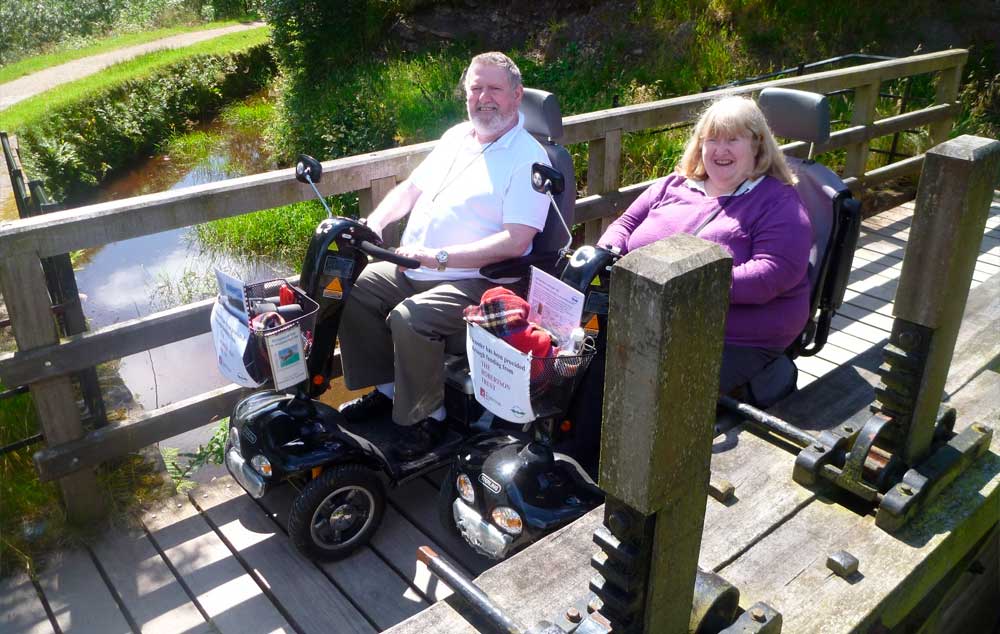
x,y
554,380
256,358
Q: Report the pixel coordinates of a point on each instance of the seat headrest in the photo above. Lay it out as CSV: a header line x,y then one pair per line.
x,y
541,113
796,114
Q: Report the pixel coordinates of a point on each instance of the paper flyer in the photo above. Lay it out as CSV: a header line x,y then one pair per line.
x,y
501,375
230,336
555,306
231,294
288,362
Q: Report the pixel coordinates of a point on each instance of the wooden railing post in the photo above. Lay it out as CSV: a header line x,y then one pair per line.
x,y
668,307
23,285
953,202
368,200
604,158
865,100
949,81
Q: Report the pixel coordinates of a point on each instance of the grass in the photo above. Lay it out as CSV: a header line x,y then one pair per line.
x,y
32,520
31,110
36,63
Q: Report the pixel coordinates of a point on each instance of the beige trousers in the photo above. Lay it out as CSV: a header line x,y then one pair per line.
x,y
394,329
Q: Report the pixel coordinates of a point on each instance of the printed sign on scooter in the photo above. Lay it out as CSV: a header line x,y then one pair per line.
x,y
501,375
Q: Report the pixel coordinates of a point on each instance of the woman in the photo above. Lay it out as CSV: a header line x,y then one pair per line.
x,y
733,187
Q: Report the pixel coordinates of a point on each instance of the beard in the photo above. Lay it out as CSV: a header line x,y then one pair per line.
x,y
490,123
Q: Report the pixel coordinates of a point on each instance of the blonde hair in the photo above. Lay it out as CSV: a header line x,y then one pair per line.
x,y
740,116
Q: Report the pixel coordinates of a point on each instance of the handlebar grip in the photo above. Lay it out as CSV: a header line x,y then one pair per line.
x,y
388,256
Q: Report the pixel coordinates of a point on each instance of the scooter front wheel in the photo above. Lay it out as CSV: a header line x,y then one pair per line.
x,y
337,513
446,497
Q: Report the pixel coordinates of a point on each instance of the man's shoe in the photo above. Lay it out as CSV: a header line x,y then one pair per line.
x,y
372,405
416,440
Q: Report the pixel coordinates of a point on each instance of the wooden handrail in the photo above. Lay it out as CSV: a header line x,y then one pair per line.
x,y
42,360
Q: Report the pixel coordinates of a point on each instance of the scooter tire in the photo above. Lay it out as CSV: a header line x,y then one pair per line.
x,y
446,497
337,513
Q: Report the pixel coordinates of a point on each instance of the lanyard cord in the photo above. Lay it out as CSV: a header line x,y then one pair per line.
x,y
448,184
719,209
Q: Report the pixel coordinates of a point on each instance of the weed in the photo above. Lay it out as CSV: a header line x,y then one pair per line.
x,y
211,453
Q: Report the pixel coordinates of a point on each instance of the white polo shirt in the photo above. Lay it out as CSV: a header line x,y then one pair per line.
x,y
469,190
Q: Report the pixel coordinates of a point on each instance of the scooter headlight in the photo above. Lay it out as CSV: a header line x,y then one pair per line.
x,y
508,520
234,439
465,490
262,465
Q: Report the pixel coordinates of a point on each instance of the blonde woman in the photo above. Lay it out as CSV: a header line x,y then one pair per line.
x,y
733,187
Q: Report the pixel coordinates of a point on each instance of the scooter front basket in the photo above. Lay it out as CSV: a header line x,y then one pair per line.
x,y
554,380
266,324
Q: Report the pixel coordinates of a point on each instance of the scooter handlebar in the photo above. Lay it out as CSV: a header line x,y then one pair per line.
x,y
388,256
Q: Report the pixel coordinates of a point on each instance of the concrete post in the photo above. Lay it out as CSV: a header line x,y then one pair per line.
x,y
953,201
668,309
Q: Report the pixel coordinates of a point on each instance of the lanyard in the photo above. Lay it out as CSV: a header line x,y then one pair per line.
x,y
719,209
454,178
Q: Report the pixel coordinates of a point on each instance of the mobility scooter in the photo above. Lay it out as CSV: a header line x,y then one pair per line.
x,y
342,469
506,491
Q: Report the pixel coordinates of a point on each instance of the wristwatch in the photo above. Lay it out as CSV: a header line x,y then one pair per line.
x,y
442,259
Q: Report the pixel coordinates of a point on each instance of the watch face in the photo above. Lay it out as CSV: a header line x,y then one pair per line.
x,y
442,257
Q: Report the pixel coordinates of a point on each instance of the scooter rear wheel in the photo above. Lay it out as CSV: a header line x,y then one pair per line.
x,y
337,513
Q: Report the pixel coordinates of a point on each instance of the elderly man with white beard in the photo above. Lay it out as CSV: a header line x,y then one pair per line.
x,y
470,204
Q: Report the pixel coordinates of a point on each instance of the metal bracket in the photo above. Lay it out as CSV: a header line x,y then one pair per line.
x,y
922,484
759,619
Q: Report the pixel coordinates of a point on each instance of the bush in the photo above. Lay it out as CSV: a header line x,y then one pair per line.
x,y
76,147
313,37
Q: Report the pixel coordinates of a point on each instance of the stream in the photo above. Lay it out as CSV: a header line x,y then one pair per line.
x,y
137,277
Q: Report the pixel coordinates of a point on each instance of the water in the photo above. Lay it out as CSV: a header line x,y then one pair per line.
x,y
133,278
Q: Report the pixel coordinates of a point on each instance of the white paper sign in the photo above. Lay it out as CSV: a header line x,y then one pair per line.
x,y
230,335
288,361
231,294
501,375
555,305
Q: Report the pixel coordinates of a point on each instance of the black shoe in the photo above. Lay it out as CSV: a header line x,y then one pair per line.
x,y
372,405
416,440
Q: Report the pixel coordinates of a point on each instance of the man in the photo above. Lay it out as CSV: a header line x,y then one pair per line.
x,y
470,204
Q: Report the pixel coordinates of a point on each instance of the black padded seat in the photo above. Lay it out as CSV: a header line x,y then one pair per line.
x,y
836,221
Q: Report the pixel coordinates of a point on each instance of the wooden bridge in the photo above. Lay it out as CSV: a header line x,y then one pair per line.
x,y
216,560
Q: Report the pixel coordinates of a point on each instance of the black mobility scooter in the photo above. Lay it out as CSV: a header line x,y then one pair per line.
x,y
341,470
506,491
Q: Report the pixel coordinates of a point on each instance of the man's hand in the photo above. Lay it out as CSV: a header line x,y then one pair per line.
x,y
423,255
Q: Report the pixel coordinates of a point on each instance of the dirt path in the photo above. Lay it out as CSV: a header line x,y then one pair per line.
x,y
35,83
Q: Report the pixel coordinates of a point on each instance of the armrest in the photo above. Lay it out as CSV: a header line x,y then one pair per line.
x,y
519,267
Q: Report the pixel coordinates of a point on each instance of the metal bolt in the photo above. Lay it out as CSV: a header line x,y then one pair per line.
x,y
908,340
758,615
74,462
619,524
48,364
593,605
905,489
842,563
573,615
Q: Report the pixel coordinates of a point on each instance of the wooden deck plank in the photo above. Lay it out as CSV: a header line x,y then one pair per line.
x,y
417,502
397,542
891,266
146,586
372,585
859,329
80,601
310,601
221,586
788,570
21,610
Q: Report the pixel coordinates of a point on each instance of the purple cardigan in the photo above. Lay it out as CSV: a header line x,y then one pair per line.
x,y
766,231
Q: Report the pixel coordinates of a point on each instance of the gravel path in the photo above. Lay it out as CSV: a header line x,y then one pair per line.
x,y
35,83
